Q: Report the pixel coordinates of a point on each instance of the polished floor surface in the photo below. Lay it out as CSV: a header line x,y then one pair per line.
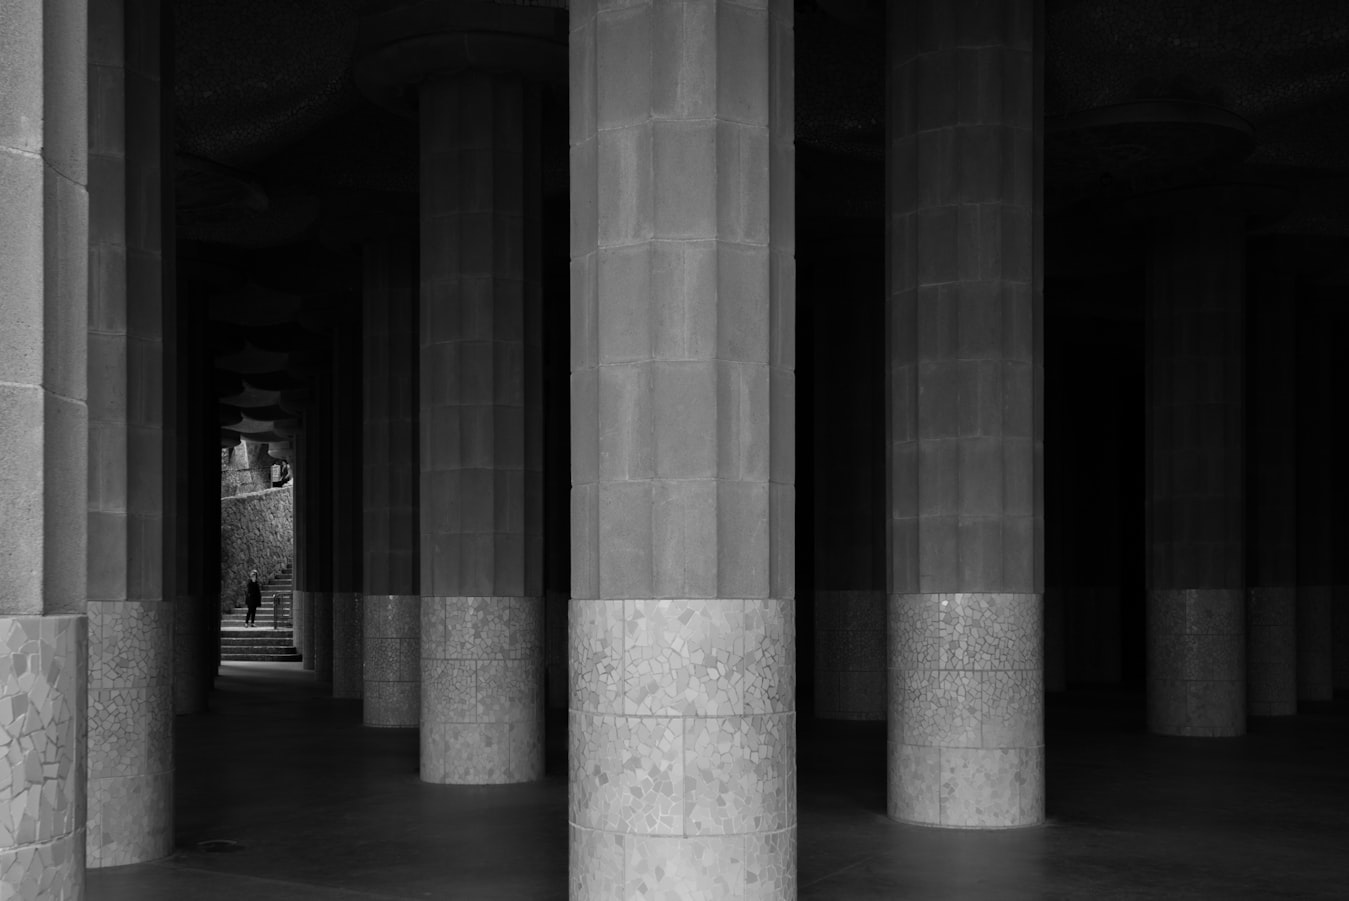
x,y
282,794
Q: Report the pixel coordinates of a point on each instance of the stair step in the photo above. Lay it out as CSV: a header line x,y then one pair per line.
x,y
264,658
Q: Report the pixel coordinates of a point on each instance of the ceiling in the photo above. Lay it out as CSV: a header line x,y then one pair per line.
x,y
283,167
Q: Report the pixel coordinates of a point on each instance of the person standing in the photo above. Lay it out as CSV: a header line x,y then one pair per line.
x,y
254,598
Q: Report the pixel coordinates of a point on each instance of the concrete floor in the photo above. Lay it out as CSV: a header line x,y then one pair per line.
x,y
322,808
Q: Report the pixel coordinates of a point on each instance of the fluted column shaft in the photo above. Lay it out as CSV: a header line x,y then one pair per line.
x,y
1196,646
1339,618
319,432
481,429
392,603
348,510
302,606
1272,515
44,243
966,732
191,625
130,812
849,487
1319,469
682,695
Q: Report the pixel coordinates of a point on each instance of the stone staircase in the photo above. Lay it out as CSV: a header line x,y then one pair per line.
x,y
273,636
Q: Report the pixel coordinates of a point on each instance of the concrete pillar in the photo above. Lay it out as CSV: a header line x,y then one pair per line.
x,y
319,611
392,612
302,611
1272,518
682,630
348,509
185,359
44,231
210,506
1340,640
1339,618
481,432
966,731
130,739
848,395
557,460
1196,644
1319,468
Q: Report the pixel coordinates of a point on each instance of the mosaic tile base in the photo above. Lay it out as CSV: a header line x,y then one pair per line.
x,y
1271,651
555,649
967,788
130,820
48,871
682,775
348,645
1339,630
42,801
966,710
1315,642
1196,662
304,627
392,660
321,634
850,655
682,759
130,732
606,866
189,673
682,657
481,689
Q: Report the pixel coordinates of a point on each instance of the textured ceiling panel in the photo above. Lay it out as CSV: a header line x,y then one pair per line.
x,y
255,75
840,83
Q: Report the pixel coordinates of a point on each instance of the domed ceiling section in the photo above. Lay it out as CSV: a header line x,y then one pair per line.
x,y
1281,67
283,167
255,75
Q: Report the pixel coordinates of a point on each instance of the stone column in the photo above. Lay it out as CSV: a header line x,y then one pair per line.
x,y
183,365
482,454
302,611
348,509
1272,516
682,708
389,483
1196,644
196,462
1339,618
130,740
849,421
964,159
210,506
44,243
319,612
1319,468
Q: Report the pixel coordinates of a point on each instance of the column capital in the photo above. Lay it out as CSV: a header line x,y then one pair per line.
x,y
401,47
1221,199
1307,256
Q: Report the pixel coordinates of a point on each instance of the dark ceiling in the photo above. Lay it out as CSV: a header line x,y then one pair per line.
x,y
282,163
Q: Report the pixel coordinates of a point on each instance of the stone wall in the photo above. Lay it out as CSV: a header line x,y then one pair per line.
x,y
256,532
246,467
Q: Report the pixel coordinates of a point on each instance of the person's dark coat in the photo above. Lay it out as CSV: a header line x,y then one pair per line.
x,y
254,598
